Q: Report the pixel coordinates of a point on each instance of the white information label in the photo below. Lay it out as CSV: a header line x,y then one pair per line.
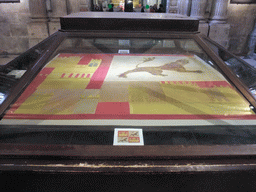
x,y
123,51
128,136
17,73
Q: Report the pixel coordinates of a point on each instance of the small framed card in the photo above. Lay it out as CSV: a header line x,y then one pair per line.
x,y
128,136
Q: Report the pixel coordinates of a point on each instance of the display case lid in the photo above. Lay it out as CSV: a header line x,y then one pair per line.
x,y
128,22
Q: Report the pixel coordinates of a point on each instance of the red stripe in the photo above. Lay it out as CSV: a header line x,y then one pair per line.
x,y
85,60
46,70
203,84
31,88
69,55
88,76
62,75
153,55
88,57
131,116
119,108
77,75
70,75
209,84
83,75
94,56
100,74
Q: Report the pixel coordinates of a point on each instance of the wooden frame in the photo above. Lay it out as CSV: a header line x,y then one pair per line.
x,y
103,158
9,1
243,1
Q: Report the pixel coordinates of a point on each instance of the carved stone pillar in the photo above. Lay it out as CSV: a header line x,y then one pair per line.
x,y
219,11
172,6
219,28
38,27
252,44
73,6
85,5
167,6
59,9
184,7
37,10
198,8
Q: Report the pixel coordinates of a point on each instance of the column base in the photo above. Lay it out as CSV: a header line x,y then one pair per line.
x,y
53,26
200,18
204,28
217,22
37,31
220,33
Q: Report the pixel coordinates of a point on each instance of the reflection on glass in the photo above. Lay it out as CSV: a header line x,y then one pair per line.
x,y
94,80
2,97
243,71
253,91
14,70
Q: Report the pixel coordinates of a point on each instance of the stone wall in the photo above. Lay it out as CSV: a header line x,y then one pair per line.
x,y
241,19
14,18
25,24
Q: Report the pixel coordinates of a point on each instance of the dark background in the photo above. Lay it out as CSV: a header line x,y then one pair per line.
x,y
206,182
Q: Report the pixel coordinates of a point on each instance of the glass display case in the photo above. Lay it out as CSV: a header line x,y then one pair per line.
x,y
127,93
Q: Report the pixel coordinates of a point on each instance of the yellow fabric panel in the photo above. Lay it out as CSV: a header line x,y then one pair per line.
x,y
64,62
188,92
186,98
60,93
145,100
59,101
216,100
64,84
155,108
85,69
34,104
114,92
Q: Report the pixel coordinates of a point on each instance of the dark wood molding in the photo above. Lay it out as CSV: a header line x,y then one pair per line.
x,y
243,1
128,24
9,1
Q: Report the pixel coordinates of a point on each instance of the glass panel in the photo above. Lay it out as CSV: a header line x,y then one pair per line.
x,y
14,70
130,82
176,135
244,71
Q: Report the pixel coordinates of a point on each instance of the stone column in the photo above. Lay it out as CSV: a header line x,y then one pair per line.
x,y
167,6
37,10
219,11
184,7
252,44
59,9
198,8
172,6
38,27
219,28
73,6
85,5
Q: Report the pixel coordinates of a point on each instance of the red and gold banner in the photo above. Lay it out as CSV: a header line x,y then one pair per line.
x,y
115,86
